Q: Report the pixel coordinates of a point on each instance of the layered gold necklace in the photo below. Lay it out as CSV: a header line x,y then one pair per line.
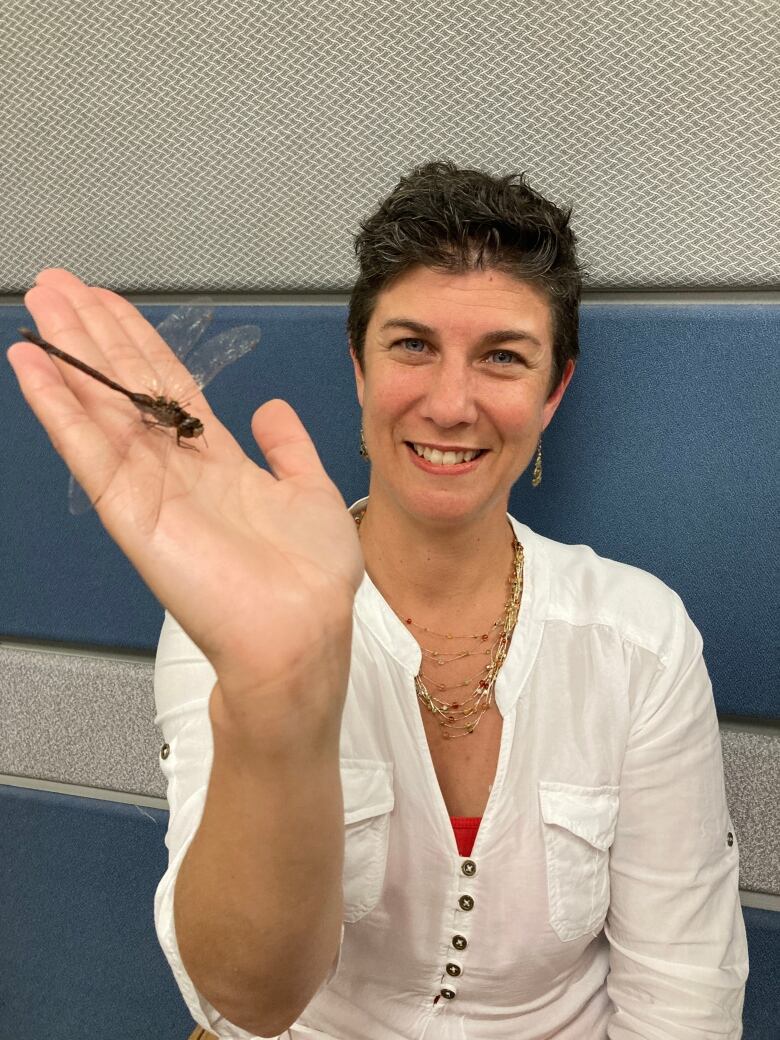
x,y
460,718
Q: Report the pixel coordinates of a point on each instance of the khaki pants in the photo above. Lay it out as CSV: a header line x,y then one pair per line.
x,y
201,1034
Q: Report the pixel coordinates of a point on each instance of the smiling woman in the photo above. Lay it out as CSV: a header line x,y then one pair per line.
x,y
431,774
448,393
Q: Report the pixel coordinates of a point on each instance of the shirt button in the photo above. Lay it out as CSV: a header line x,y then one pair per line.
x,y
165,750
459,942
448,994
730,839
469,868
466,903
453,969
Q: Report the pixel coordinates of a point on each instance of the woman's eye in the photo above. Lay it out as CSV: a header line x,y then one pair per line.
x,y
505,357
414,346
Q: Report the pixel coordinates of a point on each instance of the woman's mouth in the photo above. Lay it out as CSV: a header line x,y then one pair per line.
x,y
444,461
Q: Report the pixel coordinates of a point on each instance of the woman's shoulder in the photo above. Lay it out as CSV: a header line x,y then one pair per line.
x,y
586,588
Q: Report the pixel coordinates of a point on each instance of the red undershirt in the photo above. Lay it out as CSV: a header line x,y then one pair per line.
x,y
465,828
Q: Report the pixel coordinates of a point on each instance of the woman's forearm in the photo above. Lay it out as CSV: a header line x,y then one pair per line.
x,y
258,899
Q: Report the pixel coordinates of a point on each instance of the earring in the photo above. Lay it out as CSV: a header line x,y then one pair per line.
x,y
536,479
363,448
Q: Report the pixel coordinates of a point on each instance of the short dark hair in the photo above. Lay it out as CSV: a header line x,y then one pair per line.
x,y
452,219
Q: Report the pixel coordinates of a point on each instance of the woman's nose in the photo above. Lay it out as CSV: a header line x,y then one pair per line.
x,y
450,399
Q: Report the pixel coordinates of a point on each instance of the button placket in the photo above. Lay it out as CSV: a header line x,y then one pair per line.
x,y
453,969
468,868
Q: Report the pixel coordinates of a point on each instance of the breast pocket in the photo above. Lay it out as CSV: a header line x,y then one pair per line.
x,y
367,786
579,827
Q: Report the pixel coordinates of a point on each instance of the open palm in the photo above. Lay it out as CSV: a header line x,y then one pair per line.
x,y
255,565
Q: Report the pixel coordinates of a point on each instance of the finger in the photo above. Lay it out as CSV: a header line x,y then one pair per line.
x,y
136,327
86,450
59,324
174,377
84,317
283,439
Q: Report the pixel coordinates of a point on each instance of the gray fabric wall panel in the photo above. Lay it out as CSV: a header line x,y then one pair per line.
x,y
89,722
80,720
234,145
751,765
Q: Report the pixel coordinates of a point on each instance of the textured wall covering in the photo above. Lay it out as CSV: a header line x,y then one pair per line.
x,y
751,766
90,722
85,721
234,145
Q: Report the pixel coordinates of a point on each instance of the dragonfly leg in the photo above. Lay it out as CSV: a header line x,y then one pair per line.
x,y
155,425
167,426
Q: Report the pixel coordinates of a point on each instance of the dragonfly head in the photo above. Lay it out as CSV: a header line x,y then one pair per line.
x,y
190,427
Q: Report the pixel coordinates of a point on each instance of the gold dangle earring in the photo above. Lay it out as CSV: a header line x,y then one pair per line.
x,y
363,448
536,479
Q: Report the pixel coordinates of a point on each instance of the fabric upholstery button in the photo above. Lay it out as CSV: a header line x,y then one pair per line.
x,y
469,868
165,750
453,969
448,994
459,942
466,903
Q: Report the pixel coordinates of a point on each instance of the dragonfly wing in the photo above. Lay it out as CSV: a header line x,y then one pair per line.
x,y
208,359
78,500
182,329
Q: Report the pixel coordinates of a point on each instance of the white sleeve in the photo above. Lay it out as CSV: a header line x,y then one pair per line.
x,y
678,951
183,681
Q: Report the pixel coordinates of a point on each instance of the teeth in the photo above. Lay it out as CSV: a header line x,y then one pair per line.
x,y
444,458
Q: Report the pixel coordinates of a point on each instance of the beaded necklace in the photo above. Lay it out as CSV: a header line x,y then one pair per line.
x,y
456,719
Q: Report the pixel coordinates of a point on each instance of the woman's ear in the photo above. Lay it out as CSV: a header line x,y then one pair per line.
x,y
360,379
555,398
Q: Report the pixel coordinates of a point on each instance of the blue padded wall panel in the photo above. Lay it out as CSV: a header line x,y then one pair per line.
x,y
61,577
79,958
662,455
761,1018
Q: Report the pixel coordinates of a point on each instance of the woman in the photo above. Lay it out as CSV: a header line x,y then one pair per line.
x,y
334,738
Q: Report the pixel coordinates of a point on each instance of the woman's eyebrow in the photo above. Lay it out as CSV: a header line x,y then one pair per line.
x,y
407,323
489,339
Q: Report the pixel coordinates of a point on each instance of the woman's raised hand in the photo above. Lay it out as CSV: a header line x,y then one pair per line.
x,y
260,568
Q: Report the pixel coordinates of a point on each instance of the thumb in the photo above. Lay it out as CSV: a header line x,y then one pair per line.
x,y
285,442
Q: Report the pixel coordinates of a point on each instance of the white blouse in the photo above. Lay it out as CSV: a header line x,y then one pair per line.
x,y
601,897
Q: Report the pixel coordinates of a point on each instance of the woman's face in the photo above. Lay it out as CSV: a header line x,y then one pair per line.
x,y
455,362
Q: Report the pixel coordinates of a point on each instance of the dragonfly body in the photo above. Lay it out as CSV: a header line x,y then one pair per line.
x,y
164,410
168,412
182,331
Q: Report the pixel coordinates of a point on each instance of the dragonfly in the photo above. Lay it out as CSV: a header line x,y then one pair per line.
x,y
183,331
